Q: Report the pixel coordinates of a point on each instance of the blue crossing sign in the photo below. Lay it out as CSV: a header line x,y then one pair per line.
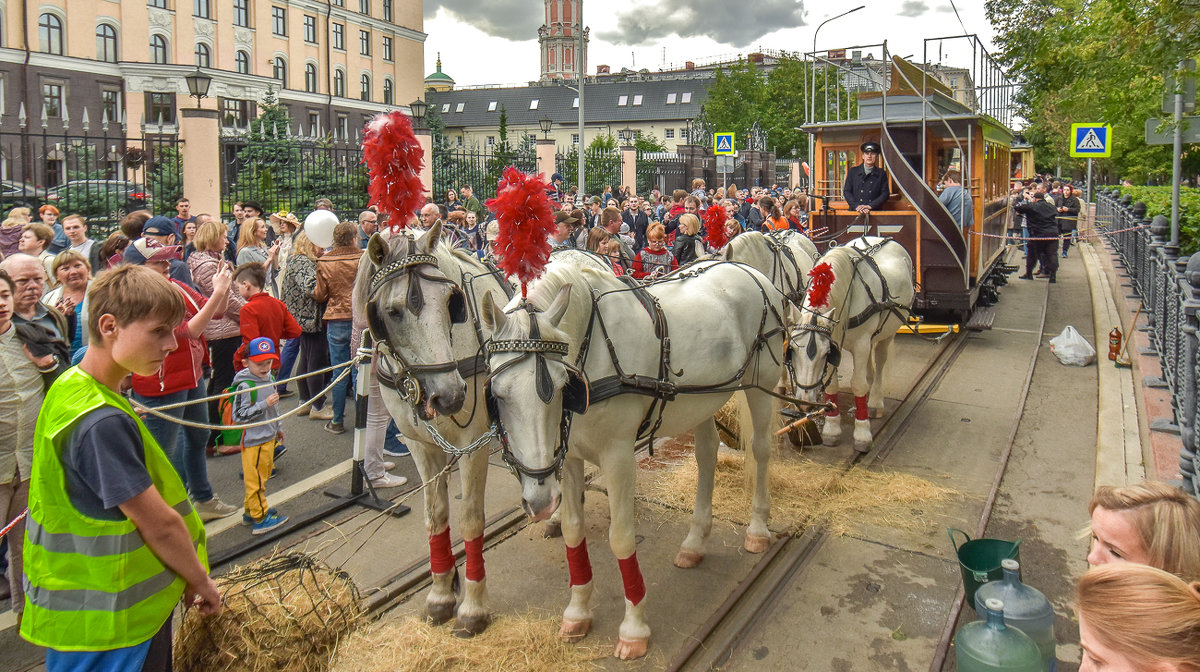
x,y
723,144
1091,141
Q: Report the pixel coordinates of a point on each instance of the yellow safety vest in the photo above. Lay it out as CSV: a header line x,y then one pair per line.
x,y
94,585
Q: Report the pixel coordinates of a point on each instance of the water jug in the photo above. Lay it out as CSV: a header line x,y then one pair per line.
x,y
1025,608
990,646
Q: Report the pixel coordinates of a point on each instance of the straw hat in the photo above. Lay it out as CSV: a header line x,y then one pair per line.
x,y
279,218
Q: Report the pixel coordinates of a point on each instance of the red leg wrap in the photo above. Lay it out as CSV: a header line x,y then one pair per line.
x,y
860,408
441,560
474,559
579,564
631,575
832,399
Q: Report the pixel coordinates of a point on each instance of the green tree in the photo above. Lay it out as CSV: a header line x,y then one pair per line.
x,y
164,177
601,161
270,160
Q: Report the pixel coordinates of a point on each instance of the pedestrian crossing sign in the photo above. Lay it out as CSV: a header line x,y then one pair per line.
x,y
1091,141
723,144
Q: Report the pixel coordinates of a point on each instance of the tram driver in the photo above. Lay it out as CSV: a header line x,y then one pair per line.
x,y
866,187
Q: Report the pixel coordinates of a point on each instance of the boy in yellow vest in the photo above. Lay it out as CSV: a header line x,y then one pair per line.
x,y
112,542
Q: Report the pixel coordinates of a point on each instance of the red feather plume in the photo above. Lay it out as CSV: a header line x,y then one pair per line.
x,y
822,281
714,224
394,158
525,217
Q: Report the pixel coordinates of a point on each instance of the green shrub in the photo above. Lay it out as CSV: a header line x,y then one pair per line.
x,y
1158,202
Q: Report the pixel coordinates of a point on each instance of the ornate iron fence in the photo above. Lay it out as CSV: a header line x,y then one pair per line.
x,y
454,167
664,171
1169,287
101,175
602,168
282,171
783,172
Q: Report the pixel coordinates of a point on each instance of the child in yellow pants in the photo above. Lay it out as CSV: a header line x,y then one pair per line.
x,y
258,443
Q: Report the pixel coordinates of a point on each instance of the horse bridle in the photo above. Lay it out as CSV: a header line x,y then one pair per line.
x,y
405,373
575,393
832,359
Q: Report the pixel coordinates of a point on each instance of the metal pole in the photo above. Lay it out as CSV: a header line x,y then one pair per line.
x,y
1177,156
1089,181
581,61
812,108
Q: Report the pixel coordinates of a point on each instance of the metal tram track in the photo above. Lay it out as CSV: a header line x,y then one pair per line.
x,y
756,596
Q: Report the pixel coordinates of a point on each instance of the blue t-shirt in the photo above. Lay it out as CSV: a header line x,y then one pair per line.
x,y
105,463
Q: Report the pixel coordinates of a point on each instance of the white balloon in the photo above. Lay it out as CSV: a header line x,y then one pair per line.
x,y
319,225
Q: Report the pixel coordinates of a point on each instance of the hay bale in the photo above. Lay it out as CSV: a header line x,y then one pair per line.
x,y
727,423
285,613
510,644
804,492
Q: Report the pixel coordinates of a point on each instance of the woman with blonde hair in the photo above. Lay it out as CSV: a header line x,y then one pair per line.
x,y
1149,523
1136,618
687,239
252,247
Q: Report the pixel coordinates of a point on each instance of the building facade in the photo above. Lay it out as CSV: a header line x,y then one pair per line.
x,y
332,63
558,40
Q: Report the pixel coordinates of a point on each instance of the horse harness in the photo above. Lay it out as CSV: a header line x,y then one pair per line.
x,y
580,393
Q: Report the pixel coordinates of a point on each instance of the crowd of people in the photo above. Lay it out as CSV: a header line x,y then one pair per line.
x,y
176,308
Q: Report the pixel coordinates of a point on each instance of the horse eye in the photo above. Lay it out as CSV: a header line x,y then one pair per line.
x,y
395,312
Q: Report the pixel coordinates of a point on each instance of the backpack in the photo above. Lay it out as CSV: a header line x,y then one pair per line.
x,y
231,437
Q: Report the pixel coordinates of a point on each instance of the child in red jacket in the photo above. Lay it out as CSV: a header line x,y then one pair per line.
x,y
263,314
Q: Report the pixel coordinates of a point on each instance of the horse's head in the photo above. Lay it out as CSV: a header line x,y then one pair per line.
x,y
411,306
812,355
530,390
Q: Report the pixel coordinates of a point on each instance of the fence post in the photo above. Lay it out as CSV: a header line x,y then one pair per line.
x,y
545,157
629,166
200,153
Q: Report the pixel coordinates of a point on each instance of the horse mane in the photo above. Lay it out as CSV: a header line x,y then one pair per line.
x,y
584,272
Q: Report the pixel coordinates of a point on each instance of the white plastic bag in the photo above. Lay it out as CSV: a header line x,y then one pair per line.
x,y
1072,348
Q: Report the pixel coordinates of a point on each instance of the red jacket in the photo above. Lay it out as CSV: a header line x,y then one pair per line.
x,y
184,366
265,315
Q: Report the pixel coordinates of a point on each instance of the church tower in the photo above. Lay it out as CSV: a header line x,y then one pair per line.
x,y
559,40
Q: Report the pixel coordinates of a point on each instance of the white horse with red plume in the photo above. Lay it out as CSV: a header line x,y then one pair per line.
x,y
583,368
421,300
860,294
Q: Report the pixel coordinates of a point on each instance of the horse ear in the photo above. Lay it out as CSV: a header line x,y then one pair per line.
x,y
493,317
558,307
377,250
430,240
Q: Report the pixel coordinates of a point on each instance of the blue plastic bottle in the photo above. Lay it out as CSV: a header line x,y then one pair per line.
x,y
1025,608
990,646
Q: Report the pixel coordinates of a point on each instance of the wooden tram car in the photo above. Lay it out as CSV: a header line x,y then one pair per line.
x,y
922,136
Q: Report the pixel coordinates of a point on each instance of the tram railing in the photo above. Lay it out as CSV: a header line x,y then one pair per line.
x,y
1169,287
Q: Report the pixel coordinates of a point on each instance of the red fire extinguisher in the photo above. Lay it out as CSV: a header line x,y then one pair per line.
x,y
1114,343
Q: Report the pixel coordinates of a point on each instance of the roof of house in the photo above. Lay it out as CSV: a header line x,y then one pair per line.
x,y
604,102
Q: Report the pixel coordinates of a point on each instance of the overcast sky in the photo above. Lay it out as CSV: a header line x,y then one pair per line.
x,y
495,42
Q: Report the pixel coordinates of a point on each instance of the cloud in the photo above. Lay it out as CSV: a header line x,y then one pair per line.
x,y
913,8
724,21
516,20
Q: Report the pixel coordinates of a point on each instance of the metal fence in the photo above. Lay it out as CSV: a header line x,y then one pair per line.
x,y
602,168
1169,287
454,167
282,171
783,172
102,174
664,171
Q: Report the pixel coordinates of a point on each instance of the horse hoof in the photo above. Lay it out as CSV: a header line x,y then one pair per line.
x,y
875,412
862,446
552,530
628,649
573,631
438,614
830,440
469,626
756,543
688,559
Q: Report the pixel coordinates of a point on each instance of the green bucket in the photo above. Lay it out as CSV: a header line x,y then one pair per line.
x,y
979,560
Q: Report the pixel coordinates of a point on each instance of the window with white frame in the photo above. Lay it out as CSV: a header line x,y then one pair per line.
x,y
669,134
492,106
622,101
459,107
685,97
533,104
637,99
671,97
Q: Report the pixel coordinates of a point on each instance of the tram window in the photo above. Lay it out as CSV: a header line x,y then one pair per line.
x,y
949,157
837,165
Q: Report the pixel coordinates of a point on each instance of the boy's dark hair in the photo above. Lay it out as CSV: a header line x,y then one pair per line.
x,y
252,272
129,293
345,234
7,279
131,224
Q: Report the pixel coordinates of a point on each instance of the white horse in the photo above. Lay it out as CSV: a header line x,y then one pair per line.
x,y
868,300
421,299
785,257
725,328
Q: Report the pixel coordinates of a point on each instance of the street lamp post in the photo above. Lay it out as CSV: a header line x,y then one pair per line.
x,y
418,108
197,84
581,64
546,123
812,102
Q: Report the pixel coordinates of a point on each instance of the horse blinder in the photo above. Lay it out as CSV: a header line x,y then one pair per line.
x,y
457,306
834,358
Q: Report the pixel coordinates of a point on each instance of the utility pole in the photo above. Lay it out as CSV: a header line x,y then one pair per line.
x,y
581,62
1177,154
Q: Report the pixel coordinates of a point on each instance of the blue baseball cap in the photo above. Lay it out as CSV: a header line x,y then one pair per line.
x,y
261,349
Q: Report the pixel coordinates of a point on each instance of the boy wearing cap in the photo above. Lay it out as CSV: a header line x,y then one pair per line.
x,y
866,187
256,401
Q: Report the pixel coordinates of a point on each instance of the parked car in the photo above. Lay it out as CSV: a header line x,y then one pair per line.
x,y
102,202
20,195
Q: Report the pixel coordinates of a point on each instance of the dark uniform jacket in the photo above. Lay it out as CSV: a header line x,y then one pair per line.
x,y
1067,220
1040,216
864,189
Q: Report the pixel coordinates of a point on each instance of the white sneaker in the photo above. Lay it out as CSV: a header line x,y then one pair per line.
x,y
214,509
388,466
389,481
